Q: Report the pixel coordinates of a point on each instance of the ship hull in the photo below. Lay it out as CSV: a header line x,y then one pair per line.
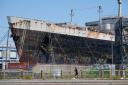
x,y
43,47
44,42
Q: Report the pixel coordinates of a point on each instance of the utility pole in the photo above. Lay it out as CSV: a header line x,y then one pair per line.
x,y
6,55
71,15
6,66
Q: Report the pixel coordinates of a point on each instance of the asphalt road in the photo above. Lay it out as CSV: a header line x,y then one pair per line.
x,y
64,82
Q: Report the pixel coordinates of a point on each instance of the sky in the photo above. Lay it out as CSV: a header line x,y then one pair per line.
x,y
58,10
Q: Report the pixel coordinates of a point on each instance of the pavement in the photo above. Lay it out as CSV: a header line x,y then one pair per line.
x,y
63,82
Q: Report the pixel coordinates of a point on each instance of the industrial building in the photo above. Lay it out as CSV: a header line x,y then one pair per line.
x,y
119,28
8,55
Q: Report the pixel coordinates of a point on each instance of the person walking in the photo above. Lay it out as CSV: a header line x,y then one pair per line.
x,y
76,72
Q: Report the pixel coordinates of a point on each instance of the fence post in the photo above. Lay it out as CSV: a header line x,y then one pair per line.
x,y
41,74
61,74
21,74
81,74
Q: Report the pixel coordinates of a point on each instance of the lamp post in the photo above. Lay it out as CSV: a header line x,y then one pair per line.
x,y
119,8
100,19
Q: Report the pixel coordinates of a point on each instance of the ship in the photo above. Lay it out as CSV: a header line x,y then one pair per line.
x,y
40,41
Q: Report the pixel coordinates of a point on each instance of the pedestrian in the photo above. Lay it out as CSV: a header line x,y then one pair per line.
x,y
76,72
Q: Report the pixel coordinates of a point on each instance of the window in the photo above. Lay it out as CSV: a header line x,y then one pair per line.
x,y
0,55
13,55
0,66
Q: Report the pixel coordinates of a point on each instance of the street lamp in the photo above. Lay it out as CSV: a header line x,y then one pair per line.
x,y
119,8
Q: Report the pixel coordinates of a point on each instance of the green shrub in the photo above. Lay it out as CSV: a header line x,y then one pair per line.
x,y
27,77
116,77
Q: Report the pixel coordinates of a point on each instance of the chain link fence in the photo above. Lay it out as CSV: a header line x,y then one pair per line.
x,y
87,74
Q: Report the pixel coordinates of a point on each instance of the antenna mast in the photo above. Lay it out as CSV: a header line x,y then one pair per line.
x,y
71,15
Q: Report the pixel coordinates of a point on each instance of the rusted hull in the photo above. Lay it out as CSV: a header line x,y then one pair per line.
x,y
42,42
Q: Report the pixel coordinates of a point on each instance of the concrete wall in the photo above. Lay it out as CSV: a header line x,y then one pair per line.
x,y
65,69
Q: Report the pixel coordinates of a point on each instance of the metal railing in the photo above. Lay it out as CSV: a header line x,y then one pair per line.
x,y
87,74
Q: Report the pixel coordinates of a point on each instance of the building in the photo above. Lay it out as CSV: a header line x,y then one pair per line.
x,y
118,27
7,55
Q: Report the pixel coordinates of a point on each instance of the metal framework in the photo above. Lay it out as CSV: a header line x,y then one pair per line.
x,y
121,41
